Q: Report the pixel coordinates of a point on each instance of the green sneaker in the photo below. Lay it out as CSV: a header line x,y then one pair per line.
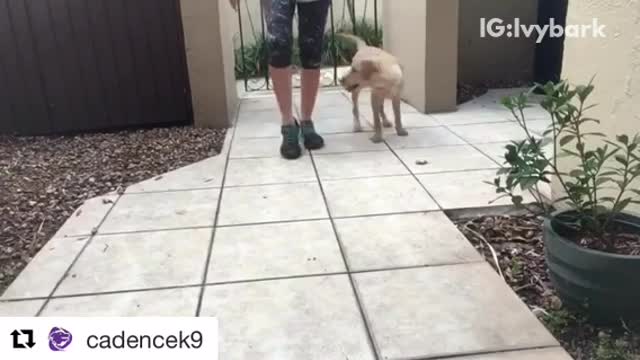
x,y
312,140
290,148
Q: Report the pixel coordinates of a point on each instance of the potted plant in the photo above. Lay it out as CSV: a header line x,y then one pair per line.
x,y
592,241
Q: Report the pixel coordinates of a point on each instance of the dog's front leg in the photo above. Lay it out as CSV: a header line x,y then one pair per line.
x,y
400,130
355,96
376,102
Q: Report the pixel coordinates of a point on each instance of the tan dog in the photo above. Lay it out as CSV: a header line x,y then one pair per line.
x,y
380,71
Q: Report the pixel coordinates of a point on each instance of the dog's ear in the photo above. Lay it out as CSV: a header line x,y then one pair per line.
x,y
368,68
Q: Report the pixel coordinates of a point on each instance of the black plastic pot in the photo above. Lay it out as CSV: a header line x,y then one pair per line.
x,y
608,284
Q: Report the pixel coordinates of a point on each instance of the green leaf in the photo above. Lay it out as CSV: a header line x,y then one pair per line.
x,y
622,160
623,139
576,173
607,199
584,92
602,180
585,120
622,205
596,134
566,139
517,200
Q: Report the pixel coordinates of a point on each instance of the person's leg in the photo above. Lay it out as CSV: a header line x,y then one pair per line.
x,y
279,18
312,18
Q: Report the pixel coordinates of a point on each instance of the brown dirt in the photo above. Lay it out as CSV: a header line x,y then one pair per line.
x,y
44,179
617,243
517,241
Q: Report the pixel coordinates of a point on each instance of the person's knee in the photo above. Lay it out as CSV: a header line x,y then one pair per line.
x,y
279,51
311,53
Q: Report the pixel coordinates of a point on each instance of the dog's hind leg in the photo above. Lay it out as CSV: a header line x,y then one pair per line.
x,y
385,120
355,95
376,101
400,130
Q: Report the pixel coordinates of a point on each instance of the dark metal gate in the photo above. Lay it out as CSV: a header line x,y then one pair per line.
x,y
85,65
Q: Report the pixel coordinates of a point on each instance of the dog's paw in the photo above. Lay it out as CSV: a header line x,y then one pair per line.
x,y
377,138
386,123
402,132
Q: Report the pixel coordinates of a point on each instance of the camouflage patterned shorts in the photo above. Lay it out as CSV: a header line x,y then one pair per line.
x,y
312,19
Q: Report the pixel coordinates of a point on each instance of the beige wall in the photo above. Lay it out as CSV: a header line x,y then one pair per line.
x,y
483,59
395,34
615,61
424,36
209,49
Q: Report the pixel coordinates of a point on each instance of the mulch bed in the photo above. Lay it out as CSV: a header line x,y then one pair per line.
x,y
468,92
518,245
44,179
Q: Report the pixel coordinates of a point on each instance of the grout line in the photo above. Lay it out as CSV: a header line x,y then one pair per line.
x,y
459,355
473,145
204,188
117,292
415,177
370,337
216,217
269,184
146,231
75,259
271,222
242,281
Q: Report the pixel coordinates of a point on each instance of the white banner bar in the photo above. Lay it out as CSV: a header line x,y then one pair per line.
x,y
107,338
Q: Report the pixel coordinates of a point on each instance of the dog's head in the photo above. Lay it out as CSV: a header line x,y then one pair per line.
x,y
359,75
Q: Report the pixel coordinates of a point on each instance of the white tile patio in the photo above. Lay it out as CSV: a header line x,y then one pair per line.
x,y
416,240
313,318
20,308
271,203
161,211
380,195
139,261
359,164
176,302
345,253
443,159
274,250
446,310
461,190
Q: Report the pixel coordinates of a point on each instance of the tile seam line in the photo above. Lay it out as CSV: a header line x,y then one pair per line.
x,y
515,349
245,281
363,315
476,147
216,216
76,258
415,177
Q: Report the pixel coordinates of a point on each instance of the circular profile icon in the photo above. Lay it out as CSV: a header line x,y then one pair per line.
x,y
59,339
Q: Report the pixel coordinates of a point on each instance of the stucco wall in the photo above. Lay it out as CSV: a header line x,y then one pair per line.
x,y
482,59
423,35
209,50
411,53
615,61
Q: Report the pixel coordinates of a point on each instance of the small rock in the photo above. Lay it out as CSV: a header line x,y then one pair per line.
x,y
421,162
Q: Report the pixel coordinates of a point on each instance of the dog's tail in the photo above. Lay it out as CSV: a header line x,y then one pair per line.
x,y
358,41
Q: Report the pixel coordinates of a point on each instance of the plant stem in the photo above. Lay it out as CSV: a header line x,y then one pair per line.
x,y
583,159
623,188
